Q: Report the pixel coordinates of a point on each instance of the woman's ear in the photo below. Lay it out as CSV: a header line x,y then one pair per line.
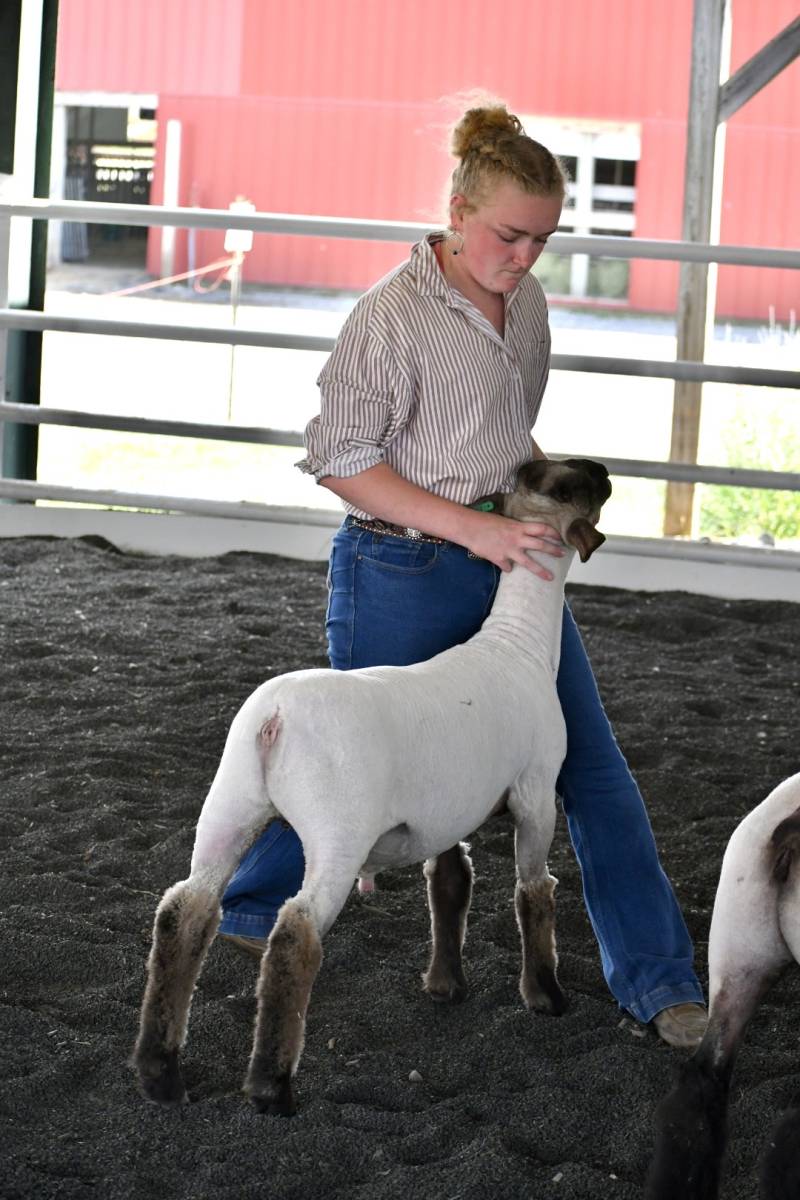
x,y
457,206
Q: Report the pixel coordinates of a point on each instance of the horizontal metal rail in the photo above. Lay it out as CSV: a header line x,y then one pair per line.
x,y
19,318
708,552
717,553
745,477
34,414
392,231
94,212
652,368
30,414
242,510
659,368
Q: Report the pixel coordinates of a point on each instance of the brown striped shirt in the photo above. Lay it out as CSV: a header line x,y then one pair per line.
x,y
421,380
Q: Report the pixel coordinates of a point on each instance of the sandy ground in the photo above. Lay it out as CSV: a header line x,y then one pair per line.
x,y
119,678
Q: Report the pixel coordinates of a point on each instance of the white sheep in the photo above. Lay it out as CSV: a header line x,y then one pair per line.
x,y
755,933
380,767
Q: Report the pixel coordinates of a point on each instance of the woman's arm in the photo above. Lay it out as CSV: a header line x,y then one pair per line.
x,y
382,492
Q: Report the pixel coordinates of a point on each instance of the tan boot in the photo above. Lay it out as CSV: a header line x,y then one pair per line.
x,y
252,946
682,1025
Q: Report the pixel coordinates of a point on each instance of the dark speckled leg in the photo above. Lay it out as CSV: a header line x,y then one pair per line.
x,y
449,893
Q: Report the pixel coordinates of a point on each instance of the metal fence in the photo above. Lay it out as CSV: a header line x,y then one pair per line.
x,y
275,223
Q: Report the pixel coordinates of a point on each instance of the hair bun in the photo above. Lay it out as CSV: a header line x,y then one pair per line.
x,y
491,146
480,130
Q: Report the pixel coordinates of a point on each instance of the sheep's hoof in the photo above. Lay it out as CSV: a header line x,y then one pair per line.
x,y
544,994
160,1079
275,1099
445,989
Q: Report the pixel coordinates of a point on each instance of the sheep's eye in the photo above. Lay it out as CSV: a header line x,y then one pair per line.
x,y
561,494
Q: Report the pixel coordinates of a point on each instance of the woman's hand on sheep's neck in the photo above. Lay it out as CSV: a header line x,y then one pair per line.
x,y
386,495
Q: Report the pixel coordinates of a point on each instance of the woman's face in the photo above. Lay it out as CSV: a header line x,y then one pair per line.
x,y
505,235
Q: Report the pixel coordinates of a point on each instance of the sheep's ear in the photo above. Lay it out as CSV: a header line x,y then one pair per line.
x,y
584,537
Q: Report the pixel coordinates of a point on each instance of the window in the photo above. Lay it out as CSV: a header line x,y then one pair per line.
x,y
600,159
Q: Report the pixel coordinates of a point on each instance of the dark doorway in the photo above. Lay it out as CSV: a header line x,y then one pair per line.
x,y
110,158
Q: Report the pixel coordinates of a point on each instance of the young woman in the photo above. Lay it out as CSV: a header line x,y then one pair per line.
x,y
427,404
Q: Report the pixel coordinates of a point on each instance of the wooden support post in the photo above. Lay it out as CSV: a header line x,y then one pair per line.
x,y
709,107
707,39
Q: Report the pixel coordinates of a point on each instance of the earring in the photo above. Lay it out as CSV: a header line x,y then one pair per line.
x,y
453,233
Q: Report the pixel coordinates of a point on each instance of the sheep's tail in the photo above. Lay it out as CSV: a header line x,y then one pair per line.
x,y
268,734
785,846
238,805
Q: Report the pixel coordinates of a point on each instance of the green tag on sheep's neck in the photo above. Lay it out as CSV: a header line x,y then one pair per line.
x,y
485,506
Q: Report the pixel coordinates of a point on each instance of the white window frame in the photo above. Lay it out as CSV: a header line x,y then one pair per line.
x,y
586,140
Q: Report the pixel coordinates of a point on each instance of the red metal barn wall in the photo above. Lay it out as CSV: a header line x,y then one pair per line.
x,y
335,107
762,171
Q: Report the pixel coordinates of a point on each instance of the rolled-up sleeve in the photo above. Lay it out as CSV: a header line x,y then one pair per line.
x,y
362,399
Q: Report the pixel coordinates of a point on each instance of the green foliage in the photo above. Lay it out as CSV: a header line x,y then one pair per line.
x,y
608,277
552,271
769,441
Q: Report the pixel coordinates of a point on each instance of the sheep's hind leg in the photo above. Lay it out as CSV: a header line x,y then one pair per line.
x,y
746,953
185,924
534,898
691,1120
288,969
780,1167
449,880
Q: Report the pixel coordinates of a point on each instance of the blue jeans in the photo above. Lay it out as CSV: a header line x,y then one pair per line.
x,y
397,601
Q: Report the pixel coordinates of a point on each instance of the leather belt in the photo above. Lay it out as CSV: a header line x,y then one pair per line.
x,y
403,531
374,525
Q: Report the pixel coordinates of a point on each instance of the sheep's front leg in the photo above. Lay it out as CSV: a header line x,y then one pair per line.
x,y
534,901
185,924
449,893
536,909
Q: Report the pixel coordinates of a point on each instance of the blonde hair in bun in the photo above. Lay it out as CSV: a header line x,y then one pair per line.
x,y
492,146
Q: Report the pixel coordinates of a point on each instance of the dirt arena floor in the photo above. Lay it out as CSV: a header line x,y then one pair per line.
x,y
120,675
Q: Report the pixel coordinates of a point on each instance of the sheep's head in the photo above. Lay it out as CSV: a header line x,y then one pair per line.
x,y
567,494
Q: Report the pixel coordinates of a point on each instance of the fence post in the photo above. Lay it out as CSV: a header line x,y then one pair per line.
x,y
702,186
21,355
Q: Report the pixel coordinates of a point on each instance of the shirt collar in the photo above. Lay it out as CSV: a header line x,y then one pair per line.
x,y
429,277
426,271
